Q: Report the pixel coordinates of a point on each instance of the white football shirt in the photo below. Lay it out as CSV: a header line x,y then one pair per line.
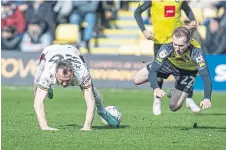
x,y
46,69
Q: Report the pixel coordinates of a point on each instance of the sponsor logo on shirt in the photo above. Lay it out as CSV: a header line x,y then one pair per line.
x,y
169,11
163,53
199,59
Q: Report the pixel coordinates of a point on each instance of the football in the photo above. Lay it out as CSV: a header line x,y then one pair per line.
x,y
114,111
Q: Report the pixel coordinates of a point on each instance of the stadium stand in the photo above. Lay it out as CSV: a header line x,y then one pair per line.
x,y
124,36
64,34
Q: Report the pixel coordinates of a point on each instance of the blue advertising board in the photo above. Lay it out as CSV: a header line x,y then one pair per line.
x,y
217,68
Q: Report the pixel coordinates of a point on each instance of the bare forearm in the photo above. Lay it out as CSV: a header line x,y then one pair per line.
x,y
39,107
89,115
40,114
90,111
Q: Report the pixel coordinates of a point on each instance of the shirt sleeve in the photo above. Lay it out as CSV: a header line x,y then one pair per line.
x,y
203,70
137,14
45,82
157,64
188,11
86,82
40,67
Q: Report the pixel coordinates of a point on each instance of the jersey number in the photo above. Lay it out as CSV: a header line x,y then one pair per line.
x,y
188,81
74,60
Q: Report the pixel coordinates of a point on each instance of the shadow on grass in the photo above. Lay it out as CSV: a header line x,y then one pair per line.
x,y
213,114
94,127
199,114
108,127
197,127
70,126
204,127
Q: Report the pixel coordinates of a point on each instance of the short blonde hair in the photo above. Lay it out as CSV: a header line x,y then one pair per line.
x,y
182,32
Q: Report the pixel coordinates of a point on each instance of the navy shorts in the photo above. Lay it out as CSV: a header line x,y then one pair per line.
x,y
184,78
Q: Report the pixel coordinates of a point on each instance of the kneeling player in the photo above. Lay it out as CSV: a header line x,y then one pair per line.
x,y
183,58
64,65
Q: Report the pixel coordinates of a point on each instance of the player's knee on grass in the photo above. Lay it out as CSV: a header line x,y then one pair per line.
x,y
173,107
177,99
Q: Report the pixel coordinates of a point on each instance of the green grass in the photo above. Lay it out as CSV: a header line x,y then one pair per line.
x,y
139,128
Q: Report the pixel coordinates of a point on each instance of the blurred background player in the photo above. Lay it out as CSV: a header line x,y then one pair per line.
x,y
183,58
165,17
64,65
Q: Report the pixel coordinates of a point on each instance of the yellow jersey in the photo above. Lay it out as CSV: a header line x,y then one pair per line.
x,y
165,16
190,60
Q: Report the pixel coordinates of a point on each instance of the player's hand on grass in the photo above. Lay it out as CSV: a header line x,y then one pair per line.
x,y
49,128
148,35
205,104
86,128
159,92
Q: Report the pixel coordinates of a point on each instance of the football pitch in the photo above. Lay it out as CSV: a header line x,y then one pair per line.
x,y
139,128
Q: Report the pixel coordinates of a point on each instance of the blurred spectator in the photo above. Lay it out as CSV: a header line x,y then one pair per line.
x,y
10,39
85,11
215,42
43,11
194,33
11,16
35,39
201,3
22,5
124,5
63,10
222,4
110,13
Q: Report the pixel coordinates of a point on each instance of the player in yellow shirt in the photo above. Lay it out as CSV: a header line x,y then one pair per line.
x,y
165,16
183,58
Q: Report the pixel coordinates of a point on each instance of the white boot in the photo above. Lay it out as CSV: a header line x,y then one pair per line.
x,y
157,106
191,104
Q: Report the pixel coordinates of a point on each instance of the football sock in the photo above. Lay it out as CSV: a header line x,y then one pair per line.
x,y
98,101
190,94
160,82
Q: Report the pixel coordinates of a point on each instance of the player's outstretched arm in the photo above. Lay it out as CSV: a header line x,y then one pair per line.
x,y
204,73
156,65
90,108
152,77
39,108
